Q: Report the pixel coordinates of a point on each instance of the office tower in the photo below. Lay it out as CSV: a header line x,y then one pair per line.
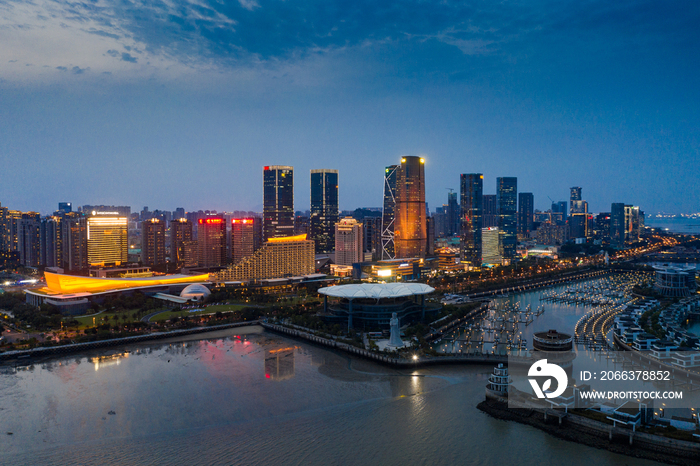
x,y
107,240
506,204
278,201
471,188
602,225
617,223
389,212
578,225
74,254
277,258
52,241
430,228
349,247
526,209
29,239
4,229
118,211
576,204
372,232
180,232
560,207
211,241
410,233
490,213
153,242
302,225
440,219
631,223
242,238
491,254
324,209
453,215
65,207
575,193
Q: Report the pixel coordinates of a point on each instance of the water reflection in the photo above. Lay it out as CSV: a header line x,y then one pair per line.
x,y
108,360
279,363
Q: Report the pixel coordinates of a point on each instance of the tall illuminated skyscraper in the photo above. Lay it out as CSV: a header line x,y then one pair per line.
x,y
153,242
107,242
278,201
388,212
74,242
471,200
180,232
211,241
324,209
507,202
410,230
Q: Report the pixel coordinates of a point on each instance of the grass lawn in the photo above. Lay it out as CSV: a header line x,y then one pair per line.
x,y
105,317
206,310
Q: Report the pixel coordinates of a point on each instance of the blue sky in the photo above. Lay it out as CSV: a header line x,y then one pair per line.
x,y
181,103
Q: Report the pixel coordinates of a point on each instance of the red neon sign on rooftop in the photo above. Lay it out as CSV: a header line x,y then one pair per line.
x,y
211,221
242,220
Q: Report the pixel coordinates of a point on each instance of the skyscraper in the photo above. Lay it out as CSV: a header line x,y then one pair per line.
x,y
471,200
490,212
29,239
410,232
242,238
560,207
211,241
617,223
576,204
324,209
180,232
278,201
74,242
454,226
65,207
506,200
388,212
526,211
153,242
349,247
107,242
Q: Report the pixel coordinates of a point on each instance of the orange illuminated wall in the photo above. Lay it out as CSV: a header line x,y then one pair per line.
x,y
68,284
410,224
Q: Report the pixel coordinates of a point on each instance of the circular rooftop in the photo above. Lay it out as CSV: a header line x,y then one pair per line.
x,y
195,291
376,290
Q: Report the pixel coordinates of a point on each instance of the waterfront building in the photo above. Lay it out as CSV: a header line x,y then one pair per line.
x,y
242,238
277,258
490,212
410,233
74,242
552,341
491,254
180,232
324,209
526,210
506,200
153,242
471,200
278,201
211,241
107,242
617,223
372,305
499,381
349,248
675,281
389,212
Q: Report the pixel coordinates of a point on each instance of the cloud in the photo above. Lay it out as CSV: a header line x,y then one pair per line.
x,y
79,70
128,57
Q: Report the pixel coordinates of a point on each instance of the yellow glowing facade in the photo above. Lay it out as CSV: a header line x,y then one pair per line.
x,y
70,284
107,241
277,258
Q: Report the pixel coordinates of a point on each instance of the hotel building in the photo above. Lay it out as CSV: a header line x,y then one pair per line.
x,y
107,242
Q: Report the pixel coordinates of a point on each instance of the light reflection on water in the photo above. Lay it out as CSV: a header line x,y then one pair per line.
x,y
211,402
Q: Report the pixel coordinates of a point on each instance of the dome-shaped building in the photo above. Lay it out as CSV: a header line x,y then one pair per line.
x,y
195,292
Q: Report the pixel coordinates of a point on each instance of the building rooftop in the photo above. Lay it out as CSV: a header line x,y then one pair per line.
x,y
376,290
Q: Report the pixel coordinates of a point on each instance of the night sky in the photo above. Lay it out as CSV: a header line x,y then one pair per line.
x,y
179,104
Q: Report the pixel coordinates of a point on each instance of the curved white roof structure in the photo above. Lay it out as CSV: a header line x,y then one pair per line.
x,y
376,290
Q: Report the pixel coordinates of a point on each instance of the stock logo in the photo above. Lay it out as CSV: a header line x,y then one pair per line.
x,y
542,368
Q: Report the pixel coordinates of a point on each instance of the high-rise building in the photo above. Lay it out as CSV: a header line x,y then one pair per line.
x,y
278,201
490,211
179,213
631,223
153,242
4,229
29,239
242,238
576,204
491,254
52,241
507,200
74,239
65,207
324,209
277,258
526,211
349,247
560,207
454,226
617,223
211,241
471,200
410,229
579,224
107,238
180,232
389,212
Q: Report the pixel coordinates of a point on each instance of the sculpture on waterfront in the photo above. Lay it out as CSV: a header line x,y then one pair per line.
x,y
395,336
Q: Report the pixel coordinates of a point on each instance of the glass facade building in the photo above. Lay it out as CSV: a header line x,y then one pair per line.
x,y
278,201
526,213
388,212
506,204
410,231
324,209
471,202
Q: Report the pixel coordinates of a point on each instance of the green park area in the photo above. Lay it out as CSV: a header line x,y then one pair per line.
x,y
212,309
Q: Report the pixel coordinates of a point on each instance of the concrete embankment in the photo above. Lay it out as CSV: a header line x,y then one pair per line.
x,y
600,435
77,347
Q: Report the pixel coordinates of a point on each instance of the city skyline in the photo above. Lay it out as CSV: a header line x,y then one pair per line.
x,y
594,95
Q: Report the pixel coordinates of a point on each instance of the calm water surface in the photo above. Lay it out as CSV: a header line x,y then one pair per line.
x,y
250,397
